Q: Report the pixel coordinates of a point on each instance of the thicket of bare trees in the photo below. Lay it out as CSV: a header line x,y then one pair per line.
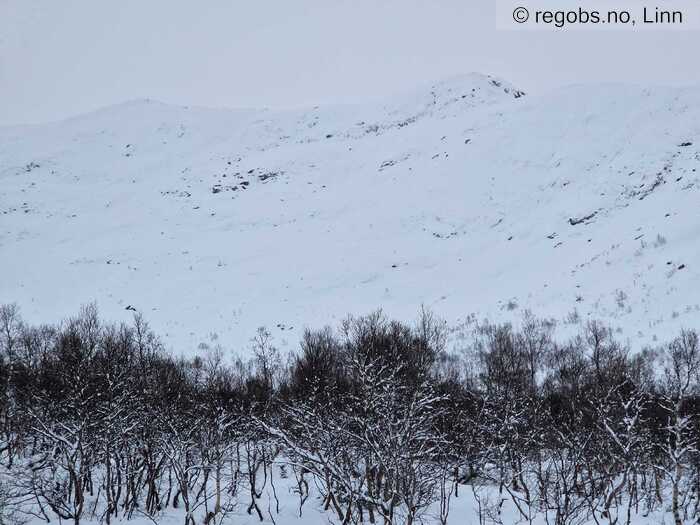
x,y
378,419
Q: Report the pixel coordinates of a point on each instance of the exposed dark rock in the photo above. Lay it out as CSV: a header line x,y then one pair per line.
x,y
574,221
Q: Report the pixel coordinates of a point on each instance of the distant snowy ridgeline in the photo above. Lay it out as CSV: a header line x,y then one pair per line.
x,y
465,196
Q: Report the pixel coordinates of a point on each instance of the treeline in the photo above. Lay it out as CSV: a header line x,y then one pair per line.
x,y
378,418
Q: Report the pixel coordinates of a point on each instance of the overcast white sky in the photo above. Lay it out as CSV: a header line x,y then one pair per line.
x,y
62,57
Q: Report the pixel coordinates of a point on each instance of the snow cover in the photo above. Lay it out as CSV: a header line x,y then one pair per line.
x,y
464,196
280,506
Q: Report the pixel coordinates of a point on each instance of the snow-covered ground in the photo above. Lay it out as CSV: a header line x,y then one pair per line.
x,y
460,196
280,505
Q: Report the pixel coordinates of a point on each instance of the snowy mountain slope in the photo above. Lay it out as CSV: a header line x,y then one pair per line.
x,y
464,196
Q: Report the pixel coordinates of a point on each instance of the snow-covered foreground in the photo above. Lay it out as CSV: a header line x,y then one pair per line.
x,y
279,503
465,196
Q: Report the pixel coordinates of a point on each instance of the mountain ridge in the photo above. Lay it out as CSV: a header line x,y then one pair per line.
x,y
466,197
